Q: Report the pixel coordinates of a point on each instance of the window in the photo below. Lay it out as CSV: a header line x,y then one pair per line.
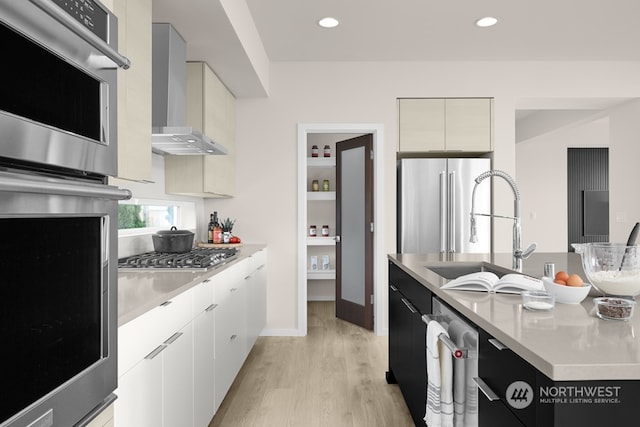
x,y
139,216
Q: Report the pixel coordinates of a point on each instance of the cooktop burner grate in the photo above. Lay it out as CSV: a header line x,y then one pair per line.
x,y
196,259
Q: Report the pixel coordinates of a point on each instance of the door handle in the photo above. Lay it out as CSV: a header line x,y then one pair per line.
x,y
485,389
497,344
443,213
452,210
409,305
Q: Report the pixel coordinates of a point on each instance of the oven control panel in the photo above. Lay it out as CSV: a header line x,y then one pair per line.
x,y
89,13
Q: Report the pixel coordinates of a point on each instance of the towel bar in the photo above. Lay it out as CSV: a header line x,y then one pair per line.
x,y
458,353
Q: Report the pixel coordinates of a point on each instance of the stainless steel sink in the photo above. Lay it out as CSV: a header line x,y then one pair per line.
x,y
456,270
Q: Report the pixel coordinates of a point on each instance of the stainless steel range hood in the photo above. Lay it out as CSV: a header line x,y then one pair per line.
x,y
170,134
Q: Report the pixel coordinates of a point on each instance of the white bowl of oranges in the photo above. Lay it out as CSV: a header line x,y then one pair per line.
x,y
567,288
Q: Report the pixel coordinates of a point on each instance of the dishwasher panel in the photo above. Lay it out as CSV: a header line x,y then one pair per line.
x,y
465,336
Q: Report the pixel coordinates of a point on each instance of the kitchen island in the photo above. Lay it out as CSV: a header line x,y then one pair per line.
x,y
578,366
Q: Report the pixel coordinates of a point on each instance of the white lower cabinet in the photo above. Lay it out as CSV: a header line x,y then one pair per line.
x,y
177,379
139,394
178,361
256,284
204,354
230,340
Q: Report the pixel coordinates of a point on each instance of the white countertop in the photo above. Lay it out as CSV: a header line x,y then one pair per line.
x,y
141,290
566,343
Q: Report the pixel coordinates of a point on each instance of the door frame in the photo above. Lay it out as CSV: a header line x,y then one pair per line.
x,y
379,258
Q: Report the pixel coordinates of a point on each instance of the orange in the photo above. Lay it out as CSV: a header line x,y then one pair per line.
x,y
574,280
560,281
562,275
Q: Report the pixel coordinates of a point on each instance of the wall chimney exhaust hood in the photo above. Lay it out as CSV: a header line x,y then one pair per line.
x,y
170,134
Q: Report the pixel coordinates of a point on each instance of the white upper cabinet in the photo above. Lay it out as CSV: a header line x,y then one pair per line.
x,y
445,124
134,89
211,108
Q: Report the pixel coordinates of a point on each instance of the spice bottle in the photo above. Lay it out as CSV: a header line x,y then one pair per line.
x,y
327,151
314,151
314,185
210,229
313,231
325,185
217,229
325,231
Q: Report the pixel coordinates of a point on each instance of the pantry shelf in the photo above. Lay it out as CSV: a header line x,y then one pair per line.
x,y
321,195
321,274
321,241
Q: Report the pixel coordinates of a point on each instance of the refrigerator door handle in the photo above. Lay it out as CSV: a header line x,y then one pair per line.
x,y
452,212
443,212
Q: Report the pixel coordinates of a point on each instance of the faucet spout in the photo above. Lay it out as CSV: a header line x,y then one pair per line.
x,y
518,253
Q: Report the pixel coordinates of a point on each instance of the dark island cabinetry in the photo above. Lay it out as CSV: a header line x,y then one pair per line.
x,y
512,391
408,301
515,393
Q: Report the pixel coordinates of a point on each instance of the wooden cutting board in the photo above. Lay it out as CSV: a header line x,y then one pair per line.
x,y
218,245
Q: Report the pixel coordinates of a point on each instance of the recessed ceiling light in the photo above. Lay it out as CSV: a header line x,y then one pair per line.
x,y
487,21
328,22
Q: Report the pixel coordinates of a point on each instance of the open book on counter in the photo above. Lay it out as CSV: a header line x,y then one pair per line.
x,y
487,281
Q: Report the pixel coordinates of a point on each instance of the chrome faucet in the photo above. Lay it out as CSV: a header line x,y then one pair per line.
x,y
518,253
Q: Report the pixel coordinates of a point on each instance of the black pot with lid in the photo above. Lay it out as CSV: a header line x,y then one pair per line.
x,y
173,240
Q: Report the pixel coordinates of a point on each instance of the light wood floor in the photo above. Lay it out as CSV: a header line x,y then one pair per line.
x,y
333,377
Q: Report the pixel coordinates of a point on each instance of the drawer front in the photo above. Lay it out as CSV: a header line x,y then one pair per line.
x,y
230,321
176,313
138,338
418,295
203,296
511,377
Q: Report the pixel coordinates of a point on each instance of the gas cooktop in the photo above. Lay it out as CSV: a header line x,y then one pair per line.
x,y
197,259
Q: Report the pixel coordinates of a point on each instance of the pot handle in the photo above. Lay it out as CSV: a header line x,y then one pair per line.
x,y
174,228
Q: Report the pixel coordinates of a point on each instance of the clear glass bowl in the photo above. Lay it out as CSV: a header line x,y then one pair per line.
x,y
538,300
611,308
612,268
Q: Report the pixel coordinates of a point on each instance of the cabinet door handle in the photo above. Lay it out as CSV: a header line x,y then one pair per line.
x,y
233,289
247,277
485,389
211,307
409,305
159,349
166,303
260,268
233,337
497,344
173,337
393,288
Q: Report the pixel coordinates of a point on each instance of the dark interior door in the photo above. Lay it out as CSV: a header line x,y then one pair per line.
x,y
354,230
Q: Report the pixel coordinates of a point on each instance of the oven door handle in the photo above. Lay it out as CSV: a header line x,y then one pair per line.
x,y
11,182
65,19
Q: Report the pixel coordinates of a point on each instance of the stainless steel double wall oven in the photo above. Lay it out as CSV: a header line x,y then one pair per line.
x,y
58,215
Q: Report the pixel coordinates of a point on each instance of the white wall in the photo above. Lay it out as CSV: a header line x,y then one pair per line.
x,y
356,92
542,176
542,180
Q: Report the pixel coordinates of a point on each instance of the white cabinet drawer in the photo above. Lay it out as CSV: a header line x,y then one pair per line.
x,y
176,313
138,338
203,296
142,335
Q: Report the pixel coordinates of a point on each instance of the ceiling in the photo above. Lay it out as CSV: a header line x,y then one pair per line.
x,y
238,37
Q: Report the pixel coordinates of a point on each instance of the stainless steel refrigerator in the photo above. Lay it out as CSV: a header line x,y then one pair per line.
x,y
434,204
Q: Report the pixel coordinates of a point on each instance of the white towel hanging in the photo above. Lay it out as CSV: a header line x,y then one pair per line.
x,y
439,405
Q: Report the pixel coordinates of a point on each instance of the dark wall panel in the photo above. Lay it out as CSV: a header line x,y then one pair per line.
x,y
588,185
